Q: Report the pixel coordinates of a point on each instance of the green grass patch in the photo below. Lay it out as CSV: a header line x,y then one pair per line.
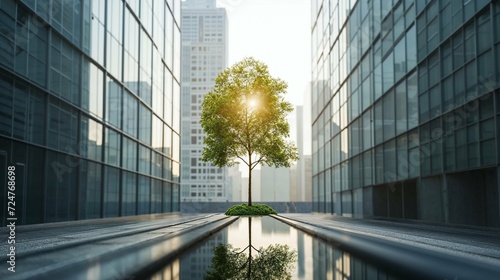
x,y
254,210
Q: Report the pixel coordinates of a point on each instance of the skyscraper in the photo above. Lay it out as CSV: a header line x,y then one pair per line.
x,y
404,109
204,55
302,168
90,108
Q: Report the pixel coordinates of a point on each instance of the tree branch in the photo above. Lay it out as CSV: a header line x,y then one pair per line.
x,y
257,162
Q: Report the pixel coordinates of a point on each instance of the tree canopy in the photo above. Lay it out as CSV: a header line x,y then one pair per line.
x,y
244,117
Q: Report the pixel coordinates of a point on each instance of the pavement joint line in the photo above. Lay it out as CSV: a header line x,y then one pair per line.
x,y
119,251
101,237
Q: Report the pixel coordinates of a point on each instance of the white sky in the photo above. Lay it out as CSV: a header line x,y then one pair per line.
x,y
276,32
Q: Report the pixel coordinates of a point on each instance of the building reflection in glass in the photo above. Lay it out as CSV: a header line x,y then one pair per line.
x,y
315,258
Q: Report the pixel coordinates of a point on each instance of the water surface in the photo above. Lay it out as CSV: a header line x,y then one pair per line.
x,y
316,259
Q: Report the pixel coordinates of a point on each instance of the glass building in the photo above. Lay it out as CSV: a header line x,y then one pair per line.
x,y
406,109
204,55
90,108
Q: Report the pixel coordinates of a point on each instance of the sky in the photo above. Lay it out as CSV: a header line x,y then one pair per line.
x,y
276,32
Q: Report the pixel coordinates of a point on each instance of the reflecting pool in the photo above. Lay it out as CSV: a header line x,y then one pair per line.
x,y
312,258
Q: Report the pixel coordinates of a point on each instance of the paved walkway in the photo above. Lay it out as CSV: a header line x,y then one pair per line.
x,y
423,250
478,242
104,248
118,248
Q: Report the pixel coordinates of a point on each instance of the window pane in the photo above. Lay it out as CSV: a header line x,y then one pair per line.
x,y
130,112
389,119
459,85
111,196
401,112
113,147
145,124
129,154
129,187
424,107
486,74
400,60
93,89
448,94
390,161
90,190
144,192
484,32
91,145
388,74
379,122
114,103
411,48
144,160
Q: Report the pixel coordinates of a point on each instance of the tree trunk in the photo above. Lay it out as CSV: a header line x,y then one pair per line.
x,y
250,183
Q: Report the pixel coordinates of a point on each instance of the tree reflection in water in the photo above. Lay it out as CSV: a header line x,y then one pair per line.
x,y
274,262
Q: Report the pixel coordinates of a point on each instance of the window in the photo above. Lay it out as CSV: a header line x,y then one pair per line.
x,y
167,140
400,60
111,195
6,92
447,92
377,79
471,80
143,193
60,190
91,139
458,50
388,72
379,164
378,123
445,17
144,160
484,31
367,131
434,101
423,101
447,62
401,111
65,71
114,102
145,124
485,74
390,161
167,197
92,95
470,42
129,154
367,168
90,190
388,115
459,86
130,109
157,134
112,150
129,190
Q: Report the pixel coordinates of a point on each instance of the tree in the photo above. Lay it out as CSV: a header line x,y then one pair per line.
x,y
244,117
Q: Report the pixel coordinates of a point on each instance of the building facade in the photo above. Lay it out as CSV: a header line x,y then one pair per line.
x,y
302,180
275,185
90,108
405,106
204,55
